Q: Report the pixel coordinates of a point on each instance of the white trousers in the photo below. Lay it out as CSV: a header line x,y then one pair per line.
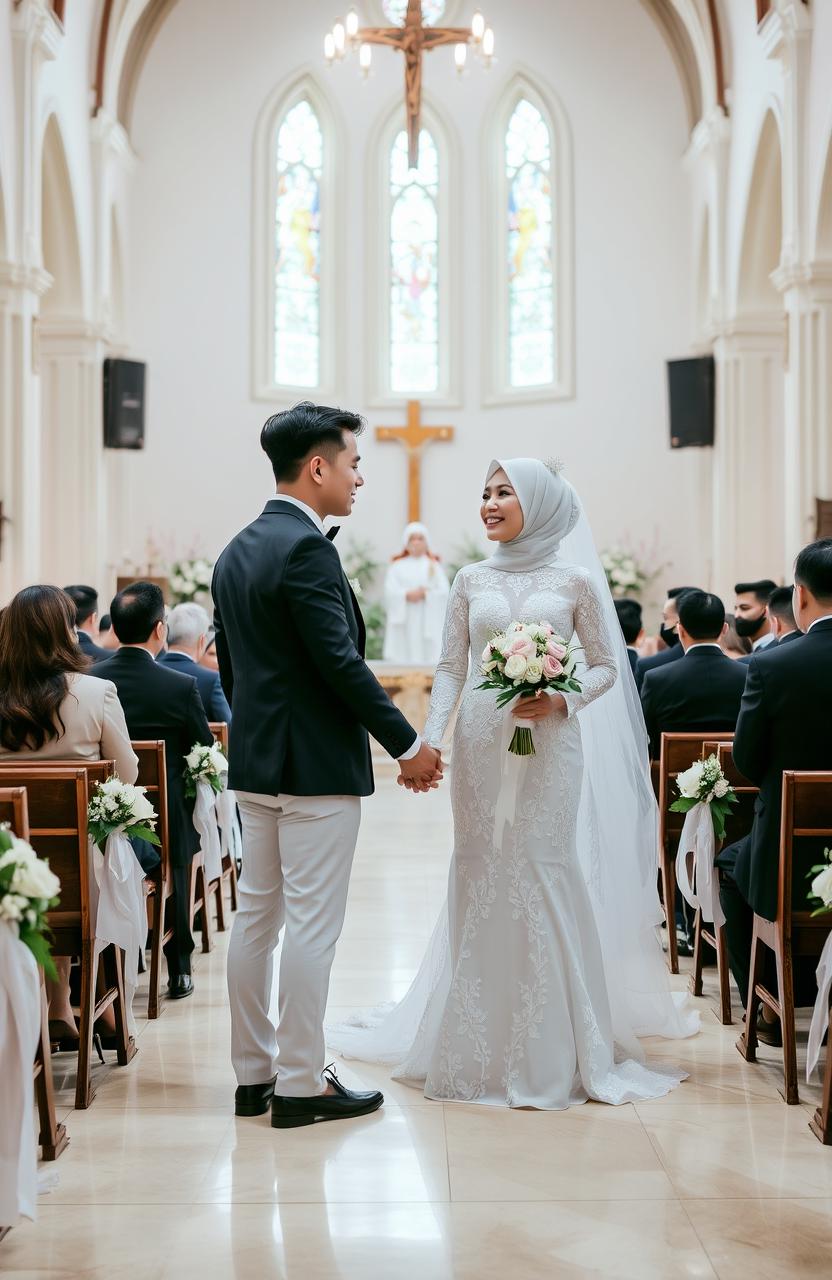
x,y
297,858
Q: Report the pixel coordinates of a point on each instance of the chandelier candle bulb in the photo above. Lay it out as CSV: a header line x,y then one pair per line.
x,y
352,23
365,58
488,44
339,37
329,47
477,25
460,55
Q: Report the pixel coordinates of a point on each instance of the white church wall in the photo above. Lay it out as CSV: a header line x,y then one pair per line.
x,y
188,264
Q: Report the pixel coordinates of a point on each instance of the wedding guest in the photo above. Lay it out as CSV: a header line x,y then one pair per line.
x,y
50,709
781,613
209,658
667,633
732,642
415,596
85,600
106,638
188,629
704,691
783,724
629,616
161,703
752,620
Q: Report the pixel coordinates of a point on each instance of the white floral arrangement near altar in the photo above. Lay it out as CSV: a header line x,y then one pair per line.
x,y
189,579
28,889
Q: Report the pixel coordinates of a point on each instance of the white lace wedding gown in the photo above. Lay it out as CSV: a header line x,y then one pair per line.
x,y
519,1015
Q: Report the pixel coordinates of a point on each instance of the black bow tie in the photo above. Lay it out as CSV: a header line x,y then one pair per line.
x,y
333,532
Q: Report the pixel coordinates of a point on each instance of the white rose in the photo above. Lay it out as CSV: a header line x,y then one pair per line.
x,y
690,780
516,667
721,788
35,880
217,760
822,886
194,758
112,787
142,808
534,671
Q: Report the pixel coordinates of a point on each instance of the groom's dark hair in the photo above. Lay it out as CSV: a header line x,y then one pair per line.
x,y
306,429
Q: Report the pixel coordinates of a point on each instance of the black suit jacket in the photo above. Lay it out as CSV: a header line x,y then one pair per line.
x,y
634,659
788,638
161,703
702,692
784,723
657,660
90,649
208,682
290,644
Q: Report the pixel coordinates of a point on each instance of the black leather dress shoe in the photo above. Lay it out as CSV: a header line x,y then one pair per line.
x,y
180,986
343,1104
770,1033
253,1099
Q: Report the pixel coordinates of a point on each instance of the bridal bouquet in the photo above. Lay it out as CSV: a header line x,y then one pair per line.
x,y
205,764
705,783
28,889
117,806
523,660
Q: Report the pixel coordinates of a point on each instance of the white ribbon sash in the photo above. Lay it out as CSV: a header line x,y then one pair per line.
x,y
120,916
820,1014
19,1032
229,823
205,821
695,864
512,776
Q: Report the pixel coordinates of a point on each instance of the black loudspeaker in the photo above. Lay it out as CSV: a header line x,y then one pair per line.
x,y
691,387
123,404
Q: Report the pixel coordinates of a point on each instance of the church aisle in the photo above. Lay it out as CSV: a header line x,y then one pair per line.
x,y
718,1179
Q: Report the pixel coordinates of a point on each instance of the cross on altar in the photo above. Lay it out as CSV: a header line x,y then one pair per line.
x,y
414,437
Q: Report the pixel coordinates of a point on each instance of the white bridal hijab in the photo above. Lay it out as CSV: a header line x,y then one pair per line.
x,y
618,819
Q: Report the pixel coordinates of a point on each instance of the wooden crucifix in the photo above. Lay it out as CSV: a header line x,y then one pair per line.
x,y
414,437
413,39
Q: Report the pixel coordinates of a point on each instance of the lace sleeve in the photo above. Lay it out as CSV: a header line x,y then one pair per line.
x,y
601,670
452,671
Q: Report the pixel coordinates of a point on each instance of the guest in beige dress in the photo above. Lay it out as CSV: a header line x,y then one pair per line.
x,y
51,710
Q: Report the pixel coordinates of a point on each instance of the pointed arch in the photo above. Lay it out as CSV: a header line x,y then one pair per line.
x,y
413,298
763,227
529,336
60,243
295,245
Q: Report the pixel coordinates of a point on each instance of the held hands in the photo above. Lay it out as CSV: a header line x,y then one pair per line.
x,y
540,707
416,595
423,772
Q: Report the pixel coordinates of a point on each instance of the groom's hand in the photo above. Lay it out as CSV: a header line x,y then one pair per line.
x,y
422,772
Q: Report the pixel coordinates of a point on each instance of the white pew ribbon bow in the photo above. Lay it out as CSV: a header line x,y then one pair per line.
x,y
820,1013
19,1032
695,864
121,915
205,821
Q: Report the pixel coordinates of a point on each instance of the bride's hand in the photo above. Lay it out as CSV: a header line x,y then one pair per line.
x,y
540,707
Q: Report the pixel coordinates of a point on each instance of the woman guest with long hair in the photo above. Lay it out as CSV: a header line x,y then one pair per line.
x,y
51,710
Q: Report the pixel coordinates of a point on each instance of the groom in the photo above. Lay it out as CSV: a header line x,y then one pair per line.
x,y
290,643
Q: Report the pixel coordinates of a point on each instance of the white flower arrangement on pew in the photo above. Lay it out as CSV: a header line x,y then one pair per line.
x,y
117,806
821,888
820,891
205,764
28,889
705,783
206,778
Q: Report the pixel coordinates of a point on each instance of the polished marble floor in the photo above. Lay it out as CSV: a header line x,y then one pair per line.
x,y
718,1179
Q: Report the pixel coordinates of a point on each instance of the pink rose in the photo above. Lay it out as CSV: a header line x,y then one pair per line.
x,y
523,647
555,650
551,668
548,628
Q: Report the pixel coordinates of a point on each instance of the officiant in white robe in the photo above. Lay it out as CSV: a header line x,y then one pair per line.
x,y
415,598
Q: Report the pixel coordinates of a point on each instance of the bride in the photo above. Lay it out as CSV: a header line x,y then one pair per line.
x,y
545,965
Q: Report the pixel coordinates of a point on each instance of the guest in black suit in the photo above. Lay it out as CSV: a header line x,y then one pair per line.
x,y
673,650
751,613
85,600
629,616
704,691
784,724
188,629
161,703
781,613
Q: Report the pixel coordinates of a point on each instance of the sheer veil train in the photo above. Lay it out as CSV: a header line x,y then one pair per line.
x,y
616,839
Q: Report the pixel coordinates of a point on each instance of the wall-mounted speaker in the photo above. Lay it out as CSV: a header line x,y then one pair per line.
x,y
691,384
124,404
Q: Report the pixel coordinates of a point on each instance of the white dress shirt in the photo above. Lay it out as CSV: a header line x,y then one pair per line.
x,y
763,642
319,524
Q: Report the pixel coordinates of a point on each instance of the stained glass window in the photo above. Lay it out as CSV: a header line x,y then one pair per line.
x,y
297,303
414,267
395,11
531,331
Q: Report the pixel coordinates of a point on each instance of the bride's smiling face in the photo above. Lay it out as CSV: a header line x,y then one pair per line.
x,y
501,512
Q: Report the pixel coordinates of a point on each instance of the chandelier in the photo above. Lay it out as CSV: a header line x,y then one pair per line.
x,y
413,38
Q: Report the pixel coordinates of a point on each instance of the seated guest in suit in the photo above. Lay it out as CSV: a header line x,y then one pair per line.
x,y
751,613
106,638
188,629
85,600
784,724
781,614
51,710
161,703
673,650
629,616
732,642
704,691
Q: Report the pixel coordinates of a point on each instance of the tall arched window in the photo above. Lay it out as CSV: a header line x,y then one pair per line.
x,y
294,259
531,320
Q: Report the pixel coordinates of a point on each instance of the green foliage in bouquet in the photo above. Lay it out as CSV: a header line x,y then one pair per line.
x,y
28,889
